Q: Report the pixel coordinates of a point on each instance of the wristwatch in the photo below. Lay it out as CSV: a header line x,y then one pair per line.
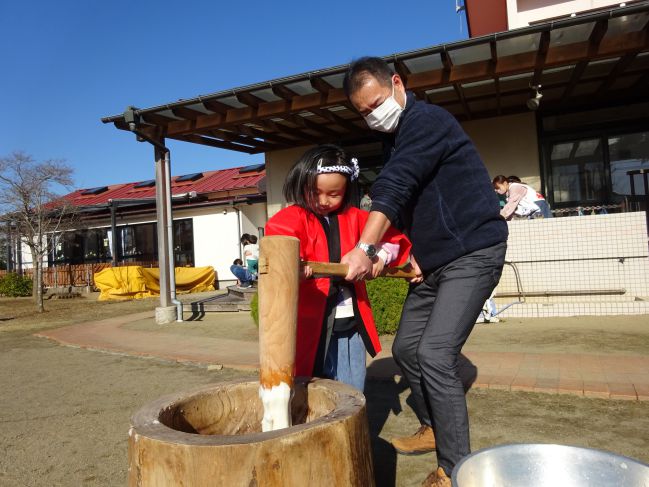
x,y
369,249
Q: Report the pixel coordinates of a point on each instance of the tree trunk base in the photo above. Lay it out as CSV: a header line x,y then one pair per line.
x,y
212,436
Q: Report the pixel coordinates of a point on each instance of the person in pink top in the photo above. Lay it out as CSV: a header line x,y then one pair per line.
x,y
523,201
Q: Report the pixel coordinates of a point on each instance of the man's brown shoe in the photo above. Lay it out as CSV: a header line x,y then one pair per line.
x,y
437,479
423,441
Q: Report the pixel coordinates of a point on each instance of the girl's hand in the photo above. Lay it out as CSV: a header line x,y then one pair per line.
x,y
307,272
419,277
377,267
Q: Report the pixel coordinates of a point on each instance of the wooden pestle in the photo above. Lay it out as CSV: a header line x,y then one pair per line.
x,y
340,270
279,269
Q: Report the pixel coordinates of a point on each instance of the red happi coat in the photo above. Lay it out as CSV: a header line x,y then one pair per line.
x,y
297,222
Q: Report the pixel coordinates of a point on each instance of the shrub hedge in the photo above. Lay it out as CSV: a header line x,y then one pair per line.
x,y
386,296
14,285
254,308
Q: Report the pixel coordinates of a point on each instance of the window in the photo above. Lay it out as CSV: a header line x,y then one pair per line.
x,y
80,247
628,152
592,171
577,169
183,243
137,243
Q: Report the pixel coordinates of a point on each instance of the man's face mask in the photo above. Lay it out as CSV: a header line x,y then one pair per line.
x,y
385,117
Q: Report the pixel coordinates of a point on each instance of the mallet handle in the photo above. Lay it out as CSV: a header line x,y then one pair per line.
x,y
340,270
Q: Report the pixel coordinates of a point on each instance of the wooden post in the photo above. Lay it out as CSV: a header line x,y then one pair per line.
x,y
279,267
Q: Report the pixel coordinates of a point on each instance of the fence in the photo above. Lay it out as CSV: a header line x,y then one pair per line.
x,y
76,275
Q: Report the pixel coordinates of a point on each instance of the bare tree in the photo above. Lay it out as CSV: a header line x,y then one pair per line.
x,y
29,201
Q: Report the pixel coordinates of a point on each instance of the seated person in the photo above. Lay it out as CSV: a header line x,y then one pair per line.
x,y
244,277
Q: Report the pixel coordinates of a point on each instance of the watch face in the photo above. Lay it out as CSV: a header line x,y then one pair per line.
x,y
371,251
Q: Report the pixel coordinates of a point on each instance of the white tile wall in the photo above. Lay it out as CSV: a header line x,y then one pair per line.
x,y
594,252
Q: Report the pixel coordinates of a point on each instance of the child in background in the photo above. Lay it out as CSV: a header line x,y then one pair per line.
x,y
335,325
250,252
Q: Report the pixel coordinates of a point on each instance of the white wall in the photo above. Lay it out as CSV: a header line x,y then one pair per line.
x,y
521,13
278,164
216,241
253,217
581,253
508,145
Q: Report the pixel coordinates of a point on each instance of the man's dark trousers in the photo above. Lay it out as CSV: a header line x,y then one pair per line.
x,y
437,318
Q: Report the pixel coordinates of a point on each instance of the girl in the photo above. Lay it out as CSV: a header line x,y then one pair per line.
x,y
335,325
521,198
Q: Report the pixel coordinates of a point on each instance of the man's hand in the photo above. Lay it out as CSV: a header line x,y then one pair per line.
x,y
359,265
419,277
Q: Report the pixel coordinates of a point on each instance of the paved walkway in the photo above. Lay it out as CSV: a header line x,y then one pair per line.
x,y
590,375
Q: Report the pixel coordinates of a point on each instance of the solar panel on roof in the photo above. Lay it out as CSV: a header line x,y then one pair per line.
x,y
255,168
189,177
145,184
94,191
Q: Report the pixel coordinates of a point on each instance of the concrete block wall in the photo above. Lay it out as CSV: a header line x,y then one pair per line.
x,y
606,254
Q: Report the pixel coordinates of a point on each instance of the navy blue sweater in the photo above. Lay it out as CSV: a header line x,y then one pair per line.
x,y
435,187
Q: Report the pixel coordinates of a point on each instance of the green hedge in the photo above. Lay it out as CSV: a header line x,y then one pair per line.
x,y
13,285
254,308
386,296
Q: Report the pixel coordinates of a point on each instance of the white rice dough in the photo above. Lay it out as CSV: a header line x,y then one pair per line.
x,y
277,407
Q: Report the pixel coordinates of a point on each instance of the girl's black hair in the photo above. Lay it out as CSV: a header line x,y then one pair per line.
x,y
300,185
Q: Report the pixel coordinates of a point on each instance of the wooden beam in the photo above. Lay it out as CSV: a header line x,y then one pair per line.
x,y
595,39
199,139
240,139
618,69
260,134
460,94
297,133
311,125
216,106
541,53
157,119
338,120
186,113
283,92
320,85
249,99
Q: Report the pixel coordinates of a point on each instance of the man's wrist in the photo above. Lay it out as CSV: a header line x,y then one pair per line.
x,y
368,249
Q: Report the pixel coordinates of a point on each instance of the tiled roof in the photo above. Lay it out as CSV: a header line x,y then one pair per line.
x,y
210,182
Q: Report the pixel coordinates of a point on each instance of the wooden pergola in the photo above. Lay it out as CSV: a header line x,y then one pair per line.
x,y
590,60
602,56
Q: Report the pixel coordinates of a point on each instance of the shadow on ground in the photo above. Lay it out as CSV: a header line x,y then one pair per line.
x,y
383,397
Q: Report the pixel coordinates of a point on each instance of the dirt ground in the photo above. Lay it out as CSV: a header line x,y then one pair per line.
x,y
64,412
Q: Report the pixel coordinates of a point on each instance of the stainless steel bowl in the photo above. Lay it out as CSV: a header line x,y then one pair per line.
x,y
537,465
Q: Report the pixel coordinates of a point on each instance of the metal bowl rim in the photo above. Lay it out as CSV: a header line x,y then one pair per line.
x,y
509,445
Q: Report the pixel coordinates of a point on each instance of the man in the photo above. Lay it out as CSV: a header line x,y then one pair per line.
x,y
435,187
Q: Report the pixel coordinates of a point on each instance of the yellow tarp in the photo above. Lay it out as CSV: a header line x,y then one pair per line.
x,y
118,283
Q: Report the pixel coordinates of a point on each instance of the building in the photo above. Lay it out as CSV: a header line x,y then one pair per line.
x,y
116,224
554,92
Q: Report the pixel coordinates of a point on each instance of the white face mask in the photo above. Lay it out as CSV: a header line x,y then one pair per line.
x,y
385,117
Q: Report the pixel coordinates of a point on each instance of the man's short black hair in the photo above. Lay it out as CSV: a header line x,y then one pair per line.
x,y
360,69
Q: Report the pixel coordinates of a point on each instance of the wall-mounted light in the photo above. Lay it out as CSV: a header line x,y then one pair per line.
x,y
535,101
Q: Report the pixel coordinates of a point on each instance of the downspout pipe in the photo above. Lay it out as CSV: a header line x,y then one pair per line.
x,y
170,237
132,119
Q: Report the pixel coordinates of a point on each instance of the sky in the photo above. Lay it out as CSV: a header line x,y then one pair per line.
x,y
67,64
